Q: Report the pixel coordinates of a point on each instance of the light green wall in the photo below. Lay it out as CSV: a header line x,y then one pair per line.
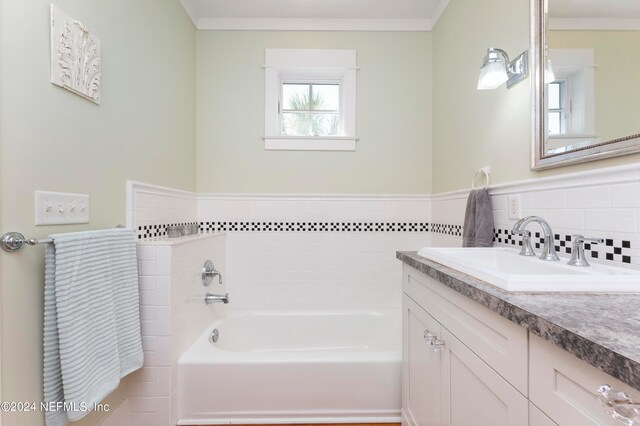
x,y
394,96
476,128
617,77
51,139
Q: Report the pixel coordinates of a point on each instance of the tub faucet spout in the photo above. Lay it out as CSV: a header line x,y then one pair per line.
x,y
549,249
216,298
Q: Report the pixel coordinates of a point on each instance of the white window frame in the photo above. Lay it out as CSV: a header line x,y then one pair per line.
x,y
310,65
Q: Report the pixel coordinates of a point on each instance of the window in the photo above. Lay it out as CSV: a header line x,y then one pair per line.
x,y
556,107
310,99
310,109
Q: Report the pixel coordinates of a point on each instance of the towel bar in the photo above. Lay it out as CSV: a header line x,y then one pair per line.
x,y
14,241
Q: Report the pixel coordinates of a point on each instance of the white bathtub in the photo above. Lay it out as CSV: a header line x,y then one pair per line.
x,y
294,367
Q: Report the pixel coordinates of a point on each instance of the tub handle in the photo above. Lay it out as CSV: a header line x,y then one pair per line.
x,y
209,272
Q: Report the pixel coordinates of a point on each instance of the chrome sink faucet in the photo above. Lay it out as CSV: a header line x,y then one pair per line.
x,y
549,249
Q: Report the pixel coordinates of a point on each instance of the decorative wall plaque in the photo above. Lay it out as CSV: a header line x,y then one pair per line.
x,y
75,56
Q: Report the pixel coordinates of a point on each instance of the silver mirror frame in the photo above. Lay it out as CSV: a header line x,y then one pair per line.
x,y
540,160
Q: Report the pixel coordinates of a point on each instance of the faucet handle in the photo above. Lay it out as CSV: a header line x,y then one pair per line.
x,y
582,239
577,252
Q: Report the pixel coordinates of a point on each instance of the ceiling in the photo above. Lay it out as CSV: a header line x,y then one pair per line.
x,y
389,15
594,14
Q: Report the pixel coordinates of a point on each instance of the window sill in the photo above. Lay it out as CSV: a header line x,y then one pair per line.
x,y
310,143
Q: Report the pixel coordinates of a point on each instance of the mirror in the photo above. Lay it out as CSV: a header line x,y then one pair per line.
x,y
586,70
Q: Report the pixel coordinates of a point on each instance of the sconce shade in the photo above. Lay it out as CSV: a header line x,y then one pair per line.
x,y
493,72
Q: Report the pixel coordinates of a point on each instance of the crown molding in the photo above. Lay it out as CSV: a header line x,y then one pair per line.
x,y
307,24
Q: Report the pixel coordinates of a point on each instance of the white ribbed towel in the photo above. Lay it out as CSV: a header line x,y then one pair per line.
x,y
91,318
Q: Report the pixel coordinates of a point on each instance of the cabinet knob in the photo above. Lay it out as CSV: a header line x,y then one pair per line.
x,y
619,405
437,345
428,337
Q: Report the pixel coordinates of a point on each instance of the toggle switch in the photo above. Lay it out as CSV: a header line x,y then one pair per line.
x,y
53,208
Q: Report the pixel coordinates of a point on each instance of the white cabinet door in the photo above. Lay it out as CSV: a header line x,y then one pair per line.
x,y
564,387
420,368
496,340
538,418
474,393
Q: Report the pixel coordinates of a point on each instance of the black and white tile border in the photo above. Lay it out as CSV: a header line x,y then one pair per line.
x,y
273,226
613,250
153,231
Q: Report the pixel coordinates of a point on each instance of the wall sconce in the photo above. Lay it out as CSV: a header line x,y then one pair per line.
x,y
496,69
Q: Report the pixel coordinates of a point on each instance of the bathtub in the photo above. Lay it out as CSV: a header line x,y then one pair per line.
x,y
294,367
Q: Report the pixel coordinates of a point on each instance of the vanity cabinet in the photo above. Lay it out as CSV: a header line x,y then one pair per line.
x,y
563,386
463,364
451,384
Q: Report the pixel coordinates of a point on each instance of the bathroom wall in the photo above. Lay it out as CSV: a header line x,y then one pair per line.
x,y
51,139
393,153
476,128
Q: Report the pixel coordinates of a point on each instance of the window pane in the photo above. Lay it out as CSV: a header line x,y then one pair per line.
x,y
295,96
296,124
326,97
554,125
554,95
324,124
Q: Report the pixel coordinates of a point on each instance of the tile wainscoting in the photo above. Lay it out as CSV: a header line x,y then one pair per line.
x,y
603,203
316,252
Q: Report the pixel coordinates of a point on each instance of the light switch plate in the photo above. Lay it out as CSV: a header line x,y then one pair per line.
x,y
514,206
58,208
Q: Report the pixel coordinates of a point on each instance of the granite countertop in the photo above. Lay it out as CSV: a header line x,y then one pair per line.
x,y
601,329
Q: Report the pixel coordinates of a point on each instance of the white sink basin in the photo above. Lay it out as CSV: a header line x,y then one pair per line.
x,y
505,268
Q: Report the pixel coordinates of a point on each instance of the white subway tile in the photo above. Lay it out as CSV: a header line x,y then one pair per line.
x,y
627,195
163,351
149,343
147,283
146,253
499,202
613,220
147,298
163,291
163,413
163,381
163,321
147,313
565,218
149,419
548,199
148,389
145,201
147,268
591,197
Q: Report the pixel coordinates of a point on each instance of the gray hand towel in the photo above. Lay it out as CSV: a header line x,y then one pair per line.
x,y
478,220
469,228
483,219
